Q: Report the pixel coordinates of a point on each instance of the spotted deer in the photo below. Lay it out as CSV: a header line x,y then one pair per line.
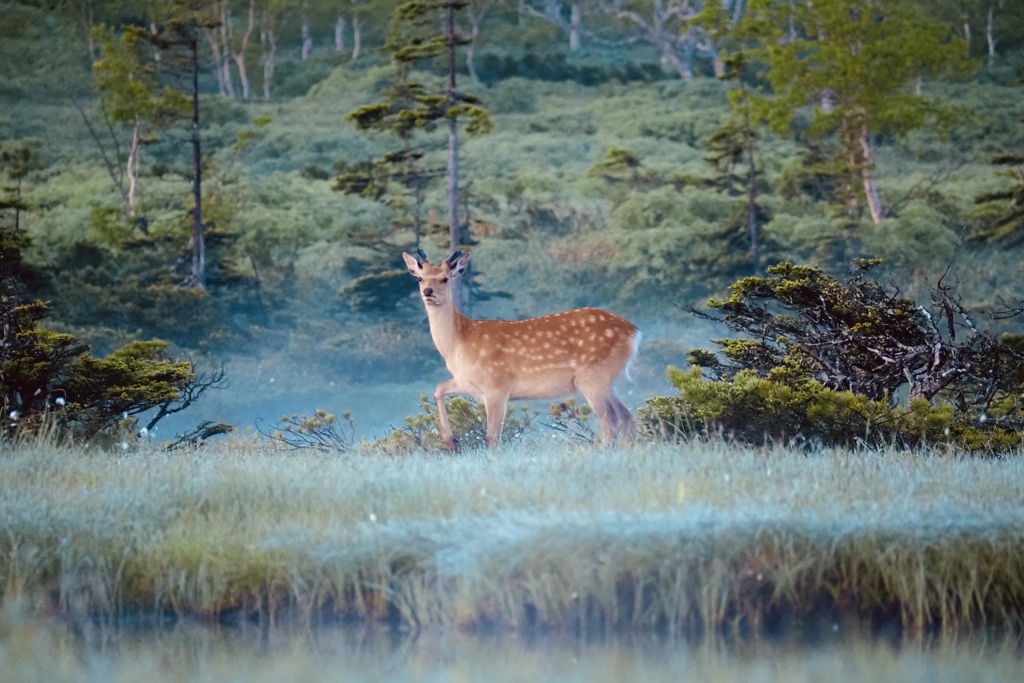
x,y
582,351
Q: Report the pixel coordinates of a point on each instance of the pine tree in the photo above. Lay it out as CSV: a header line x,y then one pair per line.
x,y
411,106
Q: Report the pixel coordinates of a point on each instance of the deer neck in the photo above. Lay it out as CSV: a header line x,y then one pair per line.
x,y
447,327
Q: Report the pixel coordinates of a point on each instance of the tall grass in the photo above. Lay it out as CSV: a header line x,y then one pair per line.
x,y
679,538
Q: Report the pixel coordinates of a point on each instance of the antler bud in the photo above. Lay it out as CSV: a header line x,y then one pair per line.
x,y
453,257
420,256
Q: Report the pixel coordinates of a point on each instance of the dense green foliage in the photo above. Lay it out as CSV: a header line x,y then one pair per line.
x,y
51,381
824,360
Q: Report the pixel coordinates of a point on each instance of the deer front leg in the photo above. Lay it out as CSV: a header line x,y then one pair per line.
x,y
444,389
495,406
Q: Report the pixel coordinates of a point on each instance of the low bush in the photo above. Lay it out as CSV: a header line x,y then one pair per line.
x,y
469,425
825,361
757,410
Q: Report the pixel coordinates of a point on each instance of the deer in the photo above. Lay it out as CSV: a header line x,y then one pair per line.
x,y
581,351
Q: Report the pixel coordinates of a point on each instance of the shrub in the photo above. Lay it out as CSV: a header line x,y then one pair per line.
x,y
826,360
754,409
49,379
469,425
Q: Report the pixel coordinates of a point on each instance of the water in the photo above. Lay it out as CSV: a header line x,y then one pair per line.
x,y
195,652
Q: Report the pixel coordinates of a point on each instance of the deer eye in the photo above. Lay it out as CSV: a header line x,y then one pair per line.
x,y
444,280
419,279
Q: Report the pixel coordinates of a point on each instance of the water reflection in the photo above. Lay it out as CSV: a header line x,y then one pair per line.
x,y
187,651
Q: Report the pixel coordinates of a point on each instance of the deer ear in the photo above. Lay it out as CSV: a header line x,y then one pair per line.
x,y
415,263
458,262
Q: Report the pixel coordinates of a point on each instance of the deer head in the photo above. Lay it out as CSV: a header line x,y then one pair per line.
x,y
436,281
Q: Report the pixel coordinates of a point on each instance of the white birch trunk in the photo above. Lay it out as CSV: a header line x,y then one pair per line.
x,y
239,55
307,40
357,36
133,167
339,34
990,37
575,22
270,54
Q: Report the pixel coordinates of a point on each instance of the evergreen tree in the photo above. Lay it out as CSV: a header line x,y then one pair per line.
x,y
18,158
1006,206
132,95
853,61
733,147
411,105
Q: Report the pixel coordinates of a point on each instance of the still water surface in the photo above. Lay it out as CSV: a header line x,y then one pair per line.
x,y
190,652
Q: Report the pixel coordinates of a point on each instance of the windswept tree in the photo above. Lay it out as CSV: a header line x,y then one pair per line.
x,y
853,62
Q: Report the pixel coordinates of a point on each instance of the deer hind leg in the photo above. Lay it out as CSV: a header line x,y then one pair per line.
x,y
598,399
626,422
495,405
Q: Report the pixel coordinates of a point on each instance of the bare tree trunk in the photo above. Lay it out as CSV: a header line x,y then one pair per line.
x,y
828,100
133,167
218,60
153,31
239,55
453,138
737,11
990,37
357,36
753,221
307,40
339,34
868,176
270,54
575,21
683,64
198,278
470,53
228,84
225,43
706,43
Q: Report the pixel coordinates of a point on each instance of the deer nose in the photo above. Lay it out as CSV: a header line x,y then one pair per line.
x,y
429,291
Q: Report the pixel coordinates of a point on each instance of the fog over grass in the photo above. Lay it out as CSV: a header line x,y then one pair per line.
x,y
263,387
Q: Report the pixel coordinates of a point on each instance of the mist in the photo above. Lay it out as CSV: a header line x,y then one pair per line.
x,y
263,387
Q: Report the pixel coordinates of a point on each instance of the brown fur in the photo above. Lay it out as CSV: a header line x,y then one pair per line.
x,y
582,351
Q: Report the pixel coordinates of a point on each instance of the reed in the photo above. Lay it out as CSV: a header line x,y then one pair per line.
x,y
688,538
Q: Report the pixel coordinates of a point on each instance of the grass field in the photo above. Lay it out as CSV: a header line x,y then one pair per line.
x,y
546,536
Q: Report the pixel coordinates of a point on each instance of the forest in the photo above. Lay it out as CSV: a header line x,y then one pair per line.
x,y
216,194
